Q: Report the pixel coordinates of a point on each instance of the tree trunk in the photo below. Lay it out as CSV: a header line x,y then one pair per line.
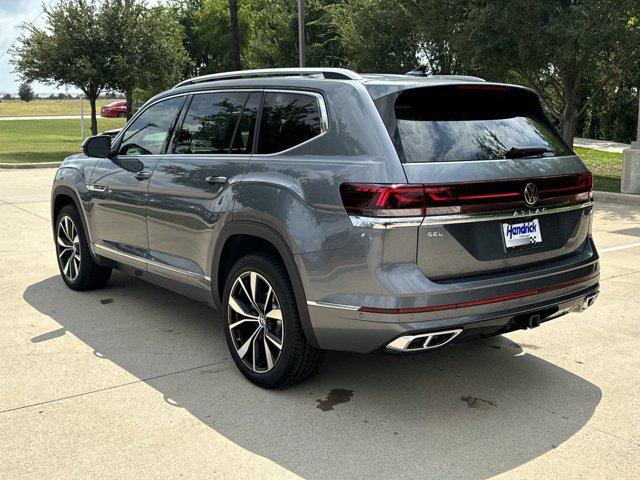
x,y
569,125
569,120
94,121
129,99
235,35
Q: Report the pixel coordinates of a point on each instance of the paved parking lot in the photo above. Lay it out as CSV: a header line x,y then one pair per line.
x,y
136,382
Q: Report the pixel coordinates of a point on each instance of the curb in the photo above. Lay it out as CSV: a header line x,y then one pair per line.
x,y
621,198
14,166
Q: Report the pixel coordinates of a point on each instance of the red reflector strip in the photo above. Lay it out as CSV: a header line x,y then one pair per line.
x,y
473,303
497,88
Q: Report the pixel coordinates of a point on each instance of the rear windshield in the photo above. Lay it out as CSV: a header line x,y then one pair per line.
x,y
453,124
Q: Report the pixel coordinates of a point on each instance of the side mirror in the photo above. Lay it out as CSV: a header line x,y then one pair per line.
x,y
98,146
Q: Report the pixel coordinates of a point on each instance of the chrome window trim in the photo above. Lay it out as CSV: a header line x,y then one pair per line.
x,y
117,138
324,120
151,262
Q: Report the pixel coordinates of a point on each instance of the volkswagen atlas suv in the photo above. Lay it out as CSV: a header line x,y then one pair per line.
x,y
320,209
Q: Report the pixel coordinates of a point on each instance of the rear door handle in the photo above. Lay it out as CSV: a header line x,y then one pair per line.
x,y
142,175
215,180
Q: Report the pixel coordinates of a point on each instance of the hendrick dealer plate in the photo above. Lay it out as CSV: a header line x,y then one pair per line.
x,y
521,235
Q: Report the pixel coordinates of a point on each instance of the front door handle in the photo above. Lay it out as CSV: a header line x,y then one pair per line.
x,y
142,175
215,180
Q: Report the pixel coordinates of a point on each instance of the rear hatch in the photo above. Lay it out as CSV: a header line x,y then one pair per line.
x,y
502,191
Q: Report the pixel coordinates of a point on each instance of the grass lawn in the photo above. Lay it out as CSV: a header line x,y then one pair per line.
x,y
605,166
23,141
18,108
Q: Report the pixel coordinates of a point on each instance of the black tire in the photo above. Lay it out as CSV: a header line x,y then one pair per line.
x,y
297,359
122,115
89,275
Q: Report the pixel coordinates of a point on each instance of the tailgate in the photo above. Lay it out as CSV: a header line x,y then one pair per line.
x,y
502,189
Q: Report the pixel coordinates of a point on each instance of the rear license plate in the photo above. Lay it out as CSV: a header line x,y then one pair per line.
x,y
521,235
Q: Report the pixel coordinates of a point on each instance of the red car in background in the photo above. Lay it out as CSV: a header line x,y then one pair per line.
x,y
115,109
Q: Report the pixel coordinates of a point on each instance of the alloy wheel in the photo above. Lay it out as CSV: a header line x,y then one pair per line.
x,y
255,322
68,248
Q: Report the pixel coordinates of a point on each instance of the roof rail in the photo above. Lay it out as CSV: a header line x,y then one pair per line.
x,y
333,73
422,72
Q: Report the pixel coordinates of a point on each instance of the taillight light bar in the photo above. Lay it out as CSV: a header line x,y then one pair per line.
x,y
412,200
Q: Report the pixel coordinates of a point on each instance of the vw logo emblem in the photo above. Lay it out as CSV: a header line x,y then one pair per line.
x,y
531,194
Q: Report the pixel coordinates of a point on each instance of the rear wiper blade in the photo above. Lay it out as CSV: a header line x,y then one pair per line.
x,y
523,152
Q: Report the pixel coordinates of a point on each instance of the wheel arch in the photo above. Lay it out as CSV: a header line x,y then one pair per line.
x,y
252,237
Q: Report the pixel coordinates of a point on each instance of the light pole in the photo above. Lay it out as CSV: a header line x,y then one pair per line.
x,y
636,144
301,32
630,182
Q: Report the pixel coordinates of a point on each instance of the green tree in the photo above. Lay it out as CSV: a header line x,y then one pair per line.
x,y
25,92
569,51
377,35
71,49
273,37
234,32
207,27
147,50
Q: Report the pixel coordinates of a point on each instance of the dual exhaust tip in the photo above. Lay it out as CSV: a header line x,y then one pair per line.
x,y
423,341
429,341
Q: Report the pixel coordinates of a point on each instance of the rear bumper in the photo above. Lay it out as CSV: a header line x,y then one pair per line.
x,y
348,329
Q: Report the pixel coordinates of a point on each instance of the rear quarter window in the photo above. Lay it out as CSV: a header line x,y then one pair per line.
x,y
288,119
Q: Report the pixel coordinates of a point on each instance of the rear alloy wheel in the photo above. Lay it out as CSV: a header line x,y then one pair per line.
x,y
255,322
77,267
262,324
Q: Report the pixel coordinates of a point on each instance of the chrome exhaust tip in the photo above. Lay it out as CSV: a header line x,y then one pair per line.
x,y
589,300
423,341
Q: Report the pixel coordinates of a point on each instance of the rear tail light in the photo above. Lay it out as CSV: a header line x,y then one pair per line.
x,y
412,200
383,200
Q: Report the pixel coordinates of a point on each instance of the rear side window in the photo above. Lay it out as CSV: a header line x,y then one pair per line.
x,y
210,123
454,124
148,132
288,119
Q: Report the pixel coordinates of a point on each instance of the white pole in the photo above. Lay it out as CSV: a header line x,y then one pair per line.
x,y
301,32
81,117
636,144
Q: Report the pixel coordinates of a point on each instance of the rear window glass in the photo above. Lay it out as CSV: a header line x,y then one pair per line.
x,y
451,125
210,123
288,119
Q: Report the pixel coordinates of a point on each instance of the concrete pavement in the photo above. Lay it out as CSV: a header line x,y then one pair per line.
x,y
136,382
603,145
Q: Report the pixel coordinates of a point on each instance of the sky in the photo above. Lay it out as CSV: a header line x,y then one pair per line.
x,y
12,14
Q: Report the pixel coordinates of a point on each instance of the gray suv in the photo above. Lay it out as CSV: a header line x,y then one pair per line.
x,y
319,209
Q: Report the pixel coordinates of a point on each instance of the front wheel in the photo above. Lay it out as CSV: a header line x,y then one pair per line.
x,y
262,324
77,267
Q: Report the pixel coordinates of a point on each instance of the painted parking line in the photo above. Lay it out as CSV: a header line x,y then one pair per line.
x,y
619,247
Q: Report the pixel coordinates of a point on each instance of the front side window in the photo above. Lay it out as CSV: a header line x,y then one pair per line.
x,y
288,119
148,132
210,123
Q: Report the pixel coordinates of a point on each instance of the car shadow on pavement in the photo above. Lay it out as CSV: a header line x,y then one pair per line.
x,y
471,410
